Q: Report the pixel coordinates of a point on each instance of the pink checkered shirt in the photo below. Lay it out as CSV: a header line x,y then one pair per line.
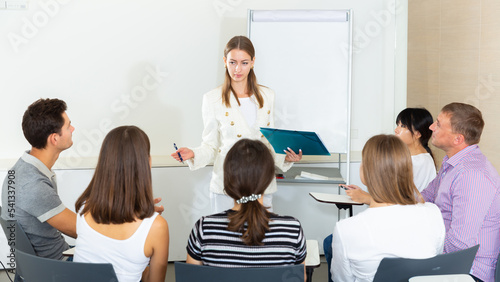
x,y
467,191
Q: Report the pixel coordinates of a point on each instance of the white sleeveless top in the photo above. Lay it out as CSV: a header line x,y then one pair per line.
x,y
126,256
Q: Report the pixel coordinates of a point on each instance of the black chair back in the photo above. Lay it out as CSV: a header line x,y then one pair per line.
x,y
402,269
36,268
23,243
191,273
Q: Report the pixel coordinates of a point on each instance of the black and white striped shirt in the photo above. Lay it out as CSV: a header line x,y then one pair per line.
x,y
214,245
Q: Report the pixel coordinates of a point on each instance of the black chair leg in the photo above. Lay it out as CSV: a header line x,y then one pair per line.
x,y
309,274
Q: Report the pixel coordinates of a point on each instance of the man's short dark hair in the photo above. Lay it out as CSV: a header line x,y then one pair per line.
x,y
41,119
466,120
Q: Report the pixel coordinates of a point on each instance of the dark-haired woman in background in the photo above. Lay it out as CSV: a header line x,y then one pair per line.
x,y
235,110
247,235
413,128
116,220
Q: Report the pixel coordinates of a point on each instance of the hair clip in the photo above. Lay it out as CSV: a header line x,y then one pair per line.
x,y
250,198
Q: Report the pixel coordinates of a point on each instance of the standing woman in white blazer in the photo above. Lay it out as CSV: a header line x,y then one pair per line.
x,y
235,110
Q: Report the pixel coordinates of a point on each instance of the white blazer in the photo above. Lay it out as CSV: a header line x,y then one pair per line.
x,y
223,127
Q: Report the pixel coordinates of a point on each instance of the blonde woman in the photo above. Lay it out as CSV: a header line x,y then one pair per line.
x,y
397,224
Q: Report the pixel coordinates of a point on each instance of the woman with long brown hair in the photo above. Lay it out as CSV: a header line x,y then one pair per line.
x,y
235,110
116,220
247,235
397,224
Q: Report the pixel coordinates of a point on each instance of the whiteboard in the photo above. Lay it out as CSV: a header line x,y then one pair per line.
x,y
305,57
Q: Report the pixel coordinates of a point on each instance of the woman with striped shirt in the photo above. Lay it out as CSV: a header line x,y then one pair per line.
x,y
247,235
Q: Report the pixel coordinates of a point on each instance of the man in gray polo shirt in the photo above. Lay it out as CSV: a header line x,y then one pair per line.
x,y
29,192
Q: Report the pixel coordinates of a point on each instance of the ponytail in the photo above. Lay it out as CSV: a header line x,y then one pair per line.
x,y
248,171
426,147
256,218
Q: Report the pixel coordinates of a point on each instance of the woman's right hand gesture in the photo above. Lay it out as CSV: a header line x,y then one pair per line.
x,y
184,152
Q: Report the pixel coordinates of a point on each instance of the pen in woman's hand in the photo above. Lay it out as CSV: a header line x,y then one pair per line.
x,y
348,187
179,154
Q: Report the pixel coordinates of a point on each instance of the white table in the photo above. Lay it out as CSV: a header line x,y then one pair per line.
x,y
443,278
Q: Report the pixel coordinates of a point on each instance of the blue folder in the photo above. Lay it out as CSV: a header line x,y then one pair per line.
x,y
281,139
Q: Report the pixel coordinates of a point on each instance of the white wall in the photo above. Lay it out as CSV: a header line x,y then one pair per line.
x,y
148,63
